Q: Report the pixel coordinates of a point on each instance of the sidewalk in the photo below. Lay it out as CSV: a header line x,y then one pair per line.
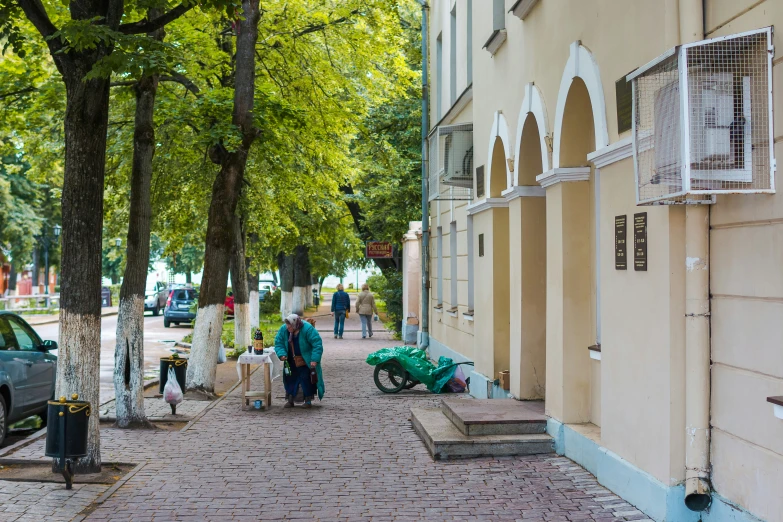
x,y
353,456
39,319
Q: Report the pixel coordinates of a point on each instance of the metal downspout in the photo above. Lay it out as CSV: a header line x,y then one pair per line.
x,y
424,338
698,493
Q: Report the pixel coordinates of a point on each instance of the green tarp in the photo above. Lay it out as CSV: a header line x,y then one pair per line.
x,y
418,366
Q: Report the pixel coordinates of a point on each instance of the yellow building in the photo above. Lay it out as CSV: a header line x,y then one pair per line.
x,y
560,249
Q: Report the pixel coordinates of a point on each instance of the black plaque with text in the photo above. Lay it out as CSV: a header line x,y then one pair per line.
x,y
640,242
620,234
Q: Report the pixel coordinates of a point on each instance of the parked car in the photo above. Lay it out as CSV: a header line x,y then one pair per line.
x,y
27,372
265,289
155,297
229,304
178,307
267,283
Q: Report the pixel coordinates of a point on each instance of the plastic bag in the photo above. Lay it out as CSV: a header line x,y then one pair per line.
x,y
457,383
222,354
172,393
375,317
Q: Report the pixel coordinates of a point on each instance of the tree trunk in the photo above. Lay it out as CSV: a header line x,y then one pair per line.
x,y
239,285
129,349
188,277
202,365
78,362
36,269
301,278
285,265
12,279
252,295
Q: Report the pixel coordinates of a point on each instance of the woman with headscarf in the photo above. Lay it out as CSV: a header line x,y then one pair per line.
x,y
299,343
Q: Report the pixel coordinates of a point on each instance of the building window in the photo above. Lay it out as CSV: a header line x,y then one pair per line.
x,y
470,264
498,27
453,261
439,76
453,58
481,245
469,41
498,15
440,266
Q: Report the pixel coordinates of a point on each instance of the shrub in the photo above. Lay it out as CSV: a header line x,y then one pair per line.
x,y
389,288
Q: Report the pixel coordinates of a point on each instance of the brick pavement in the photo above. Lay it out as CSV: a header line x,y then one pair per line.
x,y
354,456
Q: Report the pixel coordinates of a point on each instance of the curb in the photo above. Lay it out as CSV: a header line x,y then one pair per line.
x,y
55,321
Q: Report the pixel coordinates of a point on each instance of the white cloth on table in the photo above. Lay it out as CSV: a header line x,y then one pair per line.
x,y
268,357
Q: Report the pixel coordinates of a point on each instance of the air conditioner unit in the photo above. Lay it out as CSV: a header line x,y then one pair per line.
x,y
702,120
451,162
458,159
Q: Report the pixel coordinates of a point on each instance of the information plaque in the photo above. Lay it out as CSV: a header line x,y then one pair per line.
x,y
620,246
640,242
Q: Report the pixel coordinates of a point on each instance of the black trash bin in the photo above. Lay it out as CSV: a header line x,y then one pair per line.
x,y
105,297
316,297
180,370
66,433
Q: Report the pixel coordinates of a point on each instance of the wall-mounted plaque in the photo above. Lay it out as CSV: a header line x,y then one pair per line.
x,y
640,242
620,246
481,245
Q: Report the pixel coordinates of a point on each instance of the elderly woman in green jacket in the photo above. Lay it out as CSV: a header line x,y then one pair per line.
x,y
300,344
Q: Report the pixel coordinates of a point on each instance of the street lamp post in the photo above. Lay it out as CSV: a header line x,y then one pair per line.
x,y
45,239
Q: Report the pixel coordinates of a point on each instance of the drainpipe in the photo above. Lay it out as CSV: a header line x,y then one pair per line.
x,y
424,338
697,318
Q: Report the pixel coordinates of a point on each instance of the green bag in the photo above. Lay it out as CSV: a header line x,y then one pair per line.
x,y
417,364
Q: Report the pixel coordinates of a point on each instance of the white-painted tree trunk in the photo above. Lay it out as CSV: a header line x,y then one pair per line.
x,y
255,314
309,296
129,364
242,328
79,371
202,364
299,299
286,303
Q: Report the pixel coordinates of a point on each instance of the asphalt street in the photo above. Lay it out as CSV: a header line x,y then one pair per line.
x,y
155,345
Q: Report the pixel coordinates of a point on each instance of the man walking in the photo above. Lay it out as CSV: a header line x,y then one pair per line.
x,y
341,305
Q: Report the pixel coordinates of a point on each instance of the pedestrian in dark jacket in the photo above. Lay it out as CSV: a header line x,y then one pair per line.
x,y
341,305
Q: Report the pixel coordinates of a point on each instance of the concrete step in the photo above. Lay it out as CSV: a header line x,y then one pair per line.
x,y
495,416
445,441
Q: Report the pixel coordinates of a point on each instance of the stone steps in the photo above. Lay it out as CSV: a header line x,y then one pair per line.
x,y
495,416
445,441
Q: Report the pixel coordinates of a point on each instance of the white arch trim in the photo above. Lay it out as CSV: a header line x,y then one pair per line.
x,y
499,130
581,64
533,104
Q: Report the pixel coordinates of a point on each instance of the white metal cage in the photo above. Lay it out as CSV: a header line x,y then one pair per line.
x,y
702,121
451,162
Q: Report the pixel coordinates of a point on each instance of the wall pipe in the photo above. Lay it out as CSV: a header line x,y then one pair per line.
x,y
424,337
698,493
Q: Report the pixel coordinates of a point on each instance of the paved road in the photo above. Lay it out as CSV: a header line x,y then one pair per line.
x,y
353,456
154,348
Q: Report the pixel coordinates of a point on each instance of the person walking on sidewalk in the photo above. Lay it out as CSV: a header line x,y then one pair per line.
x,y
300,344
365,307
341,305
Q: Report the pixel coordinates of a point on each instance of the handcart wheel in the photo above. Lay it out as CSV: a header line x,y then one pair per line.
x,y
410,382
390,377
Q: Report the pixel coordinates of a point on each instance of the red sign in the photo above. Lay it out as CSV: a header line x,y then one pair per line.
x,y
379,250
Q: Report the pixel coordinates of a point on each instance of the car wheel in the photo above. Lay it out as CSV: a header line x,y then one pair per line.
x,y
176,324
166,323
44,416
3,420
156,310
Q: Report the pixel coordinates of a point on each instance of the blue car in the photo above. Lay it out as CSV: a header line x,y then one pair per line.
x,y
27,372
